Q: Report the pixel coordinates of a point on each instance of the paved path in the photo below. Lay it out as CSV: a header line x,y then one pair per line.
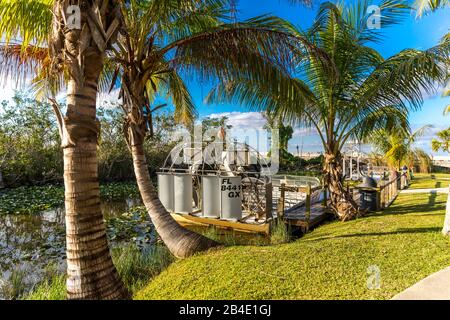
x,y
433,287
430,190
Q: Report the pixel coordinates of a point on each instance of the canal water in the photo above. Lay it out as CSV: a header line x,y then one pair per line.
x,y
34,244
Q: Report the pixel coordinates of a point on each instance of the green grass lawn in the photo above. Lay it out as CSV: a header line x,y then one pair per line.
x,y
331,262
430,180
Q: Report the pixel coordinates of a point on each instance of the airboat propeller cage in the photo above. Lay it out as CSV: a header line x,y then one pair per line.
x,y
188,176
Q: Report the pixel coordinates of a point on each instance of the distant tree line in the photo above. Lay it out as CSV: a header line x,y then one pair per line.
x,y
30,152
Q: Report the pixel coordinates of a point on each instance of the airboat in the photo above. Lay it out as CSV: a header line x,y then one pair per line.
x,y
232,186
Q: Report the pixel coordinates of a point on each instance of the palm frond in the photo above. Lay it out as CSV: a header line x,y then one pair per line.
x,y
424,6
27,20
447,110
19,62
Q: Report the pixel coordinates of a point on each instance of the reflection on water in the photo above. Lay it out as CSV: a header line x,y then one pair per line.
x,y
116,208
30,243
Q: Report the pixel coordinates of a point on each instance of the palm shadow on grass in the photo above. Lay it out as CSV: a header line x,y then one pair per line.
x,y
402,208
375,234
412,209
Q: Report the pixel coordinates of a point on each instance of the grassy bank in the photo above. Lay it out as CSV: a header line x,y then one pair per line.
x,y
135,267
332,262
430,180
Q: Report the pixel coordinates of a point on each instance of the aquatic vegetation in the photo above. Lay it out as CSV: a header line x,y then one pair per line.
x,y
133,226
31,199
49,289
29,241
118,191
138,266
14,286
34,199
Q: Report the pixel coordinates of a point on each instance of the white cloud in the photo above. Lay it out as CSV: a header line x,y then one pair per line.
x,y
242,120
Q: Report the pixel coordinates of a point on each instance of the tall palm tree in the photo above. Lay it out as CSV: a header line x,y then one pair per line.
x,y
357,93
442,142
398,147
159,39
79,55
162,39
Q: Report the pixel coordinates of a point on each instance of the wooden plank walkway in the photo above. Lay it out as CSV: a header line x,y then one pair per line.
x,y
297,216
294,215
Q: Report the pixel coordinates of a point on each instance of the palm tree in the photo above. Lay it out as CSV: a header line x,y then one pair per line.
x,y
443,141
398,148
161,40
78,54
357,93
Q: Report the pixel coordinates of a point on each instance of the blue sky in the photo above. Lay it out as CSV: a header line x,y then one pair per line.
x,y
410,33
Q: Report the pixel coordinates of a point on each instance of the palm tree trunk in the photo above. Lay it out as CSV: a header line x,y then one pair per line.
x,y
341,201
90,270
180,241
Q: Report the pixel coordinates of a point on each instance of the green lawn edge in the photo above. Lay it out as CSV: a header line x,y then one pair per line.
x,y
335,261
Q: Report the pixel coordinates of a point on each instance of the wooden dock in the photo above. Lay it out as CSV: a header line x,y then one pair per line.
x,y
247,226
298,216
301,207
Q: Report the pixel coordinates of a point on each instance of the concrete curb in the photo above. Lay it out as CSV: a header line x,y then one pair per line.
x,y
433,287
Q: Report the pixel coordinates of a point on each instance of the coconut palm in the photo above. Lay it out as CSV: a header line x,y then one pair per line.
x,y
398,147
354,95
159,39
79,55
153,51
442,142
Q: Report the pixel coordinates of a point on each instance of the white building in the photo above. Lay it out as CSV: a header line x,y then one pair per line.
x,y
441,161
